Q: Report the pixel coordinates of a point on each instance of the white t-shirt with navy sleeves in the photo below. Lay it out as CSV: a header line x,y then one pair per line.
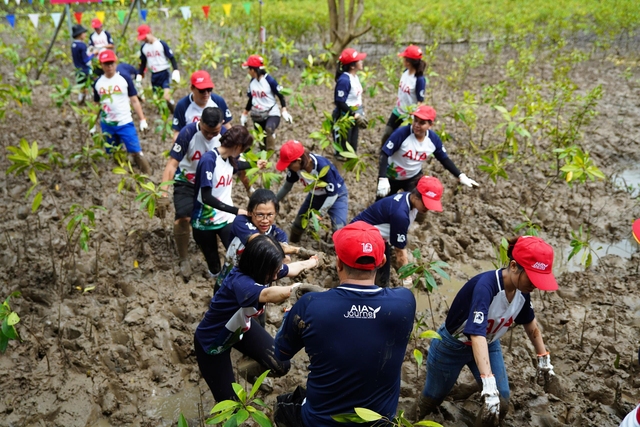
x,y
113,94
263,94
188,111
407,154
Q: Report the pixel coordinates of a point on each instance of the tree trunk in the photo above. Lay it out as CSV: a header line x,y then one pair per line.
x,y
344,24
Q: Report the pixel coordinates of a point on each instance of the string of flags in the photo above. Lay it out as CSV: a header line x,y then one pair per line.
x,y
120,14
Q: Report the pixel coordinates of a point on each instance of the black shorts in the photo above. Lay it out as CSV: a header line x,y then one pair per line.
x,y
394,121
161,79
183,195
288,408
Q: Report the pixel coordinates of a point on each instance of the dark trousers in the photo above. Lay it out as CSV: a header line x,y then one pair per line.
x,y
352,135
207,241
288,408
384,273
217,371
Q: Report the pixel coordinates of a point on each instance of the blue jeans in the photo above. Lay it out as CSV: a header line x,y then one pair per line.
x,y
446,359
337,212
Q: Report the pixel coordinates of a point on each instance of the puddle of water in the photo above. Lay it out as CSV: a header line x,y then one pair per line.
x,y
185,401
629,179
624,249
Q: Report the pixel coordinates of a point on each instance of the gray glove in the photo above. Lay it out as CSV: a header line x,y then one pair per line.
x,y
362,122
162,207
306,288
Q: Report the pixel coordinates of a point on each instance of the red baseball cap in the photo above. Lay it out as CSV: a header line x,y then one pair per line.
x,y
143,30
536,257
289,152
411,52
358,240
351,55
201,80
107,56
425,112
255,61
96,23
431,189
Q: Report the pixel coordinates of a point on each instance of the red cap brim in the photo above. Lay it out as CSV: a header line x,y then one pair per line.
x,y
282,165
142,36
432,205
636,230
542,281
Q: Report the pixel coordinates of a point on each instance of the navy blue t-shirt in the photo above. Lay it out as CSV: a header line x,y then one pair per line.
x,y
243,228
81,60
127,70
392,216
356,337
335,183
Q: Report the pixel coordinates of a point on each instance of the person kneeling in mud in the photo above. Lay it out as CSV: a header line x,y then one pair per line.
x,y
481,313
231,318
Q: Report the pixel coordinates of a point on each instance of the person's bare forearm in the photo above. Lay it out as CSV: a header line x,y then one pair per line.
x,y
481,354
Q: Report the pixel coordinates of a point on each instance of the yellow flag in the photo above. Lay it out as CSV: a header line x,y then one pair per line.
x,y
122,2
100,16
227,8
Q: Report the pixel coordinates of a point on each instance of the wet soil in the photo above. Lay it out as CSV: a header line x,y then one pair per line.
x,y
122,353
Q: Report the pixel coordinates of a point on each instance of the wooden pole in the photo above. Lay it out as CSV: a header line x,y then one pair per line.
x,y
69,23
53,40
126,24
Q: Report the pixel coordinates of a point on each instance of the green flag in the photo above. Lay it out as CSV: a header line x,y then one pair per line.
x,y
247,7
121,14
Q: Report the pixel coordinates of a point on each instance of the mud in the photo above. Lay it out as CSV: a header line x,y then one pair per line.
x,y
122,353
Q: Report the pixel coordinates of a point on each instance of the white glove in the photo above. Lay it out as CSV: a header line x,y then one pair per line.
x,y
143,125
407,282
139,78
286,116
465,180
544,364
243,119
138,85
175,76
491,410
383,187
93,130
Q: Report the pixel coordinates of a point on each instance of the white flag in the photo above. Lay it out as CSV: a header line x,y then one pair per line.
x,y
56,18
186,11
35,17
18,2
6,1
165,10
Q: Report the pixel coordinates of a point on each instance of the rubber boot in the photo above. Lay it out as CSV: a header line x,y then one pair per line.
x,y
388,130
426,406
296,234
270,141
182,235
142,163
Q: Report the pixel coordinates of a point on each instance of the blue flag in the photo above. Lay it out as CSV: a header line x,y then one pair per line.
x,y
12,20
143,14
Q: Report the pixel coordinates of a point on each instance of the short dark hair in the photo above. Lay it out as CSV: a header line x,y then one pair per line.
x,y
357,274
261,259
262,196
211,116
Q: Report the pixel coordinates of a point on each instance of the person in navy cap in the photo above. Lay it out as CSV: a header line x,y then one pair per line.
x,y
330,199
81,58
355,335
393,216
482,312
407,149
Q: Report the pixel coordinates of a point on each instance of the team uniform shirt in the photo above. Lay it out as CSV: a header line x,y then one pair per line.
x,y
349,90
355,337
410,91
81,60
241,229
188,111
263,94
215,172
113,94
335,183
481,308
188,149
230,311
392,216
156,55
632,419
101,41
406,153
127,70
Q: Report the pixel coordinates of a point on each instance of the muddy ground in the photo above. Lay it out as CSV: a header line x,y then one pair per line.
x,y
122,353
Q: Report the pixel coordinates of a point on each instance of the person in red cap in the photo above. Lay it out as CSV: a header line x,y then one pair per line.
x,y
116,94
394,215
262,105
348,99
410,90
331,198
408,148
99,39
481,313
189,109
356,335
156,55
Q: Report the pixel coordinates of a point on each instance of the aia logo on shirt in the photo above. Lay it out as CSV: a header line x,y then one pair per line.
x,y
362,312
224,181
197,156
492,328
404,88
417,156
154,54
196,119
258,94
110,90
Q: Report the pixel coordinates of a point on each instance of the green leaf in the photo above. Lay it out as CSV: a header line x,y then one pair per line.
x,y
4,342
257,384
36,201
13,318
222,416
224,405
324,171
261,419
616,363
430,334
258,401
182,421
440,272
242,395
242,416
348,418
417,354
428,424
367,414
8,330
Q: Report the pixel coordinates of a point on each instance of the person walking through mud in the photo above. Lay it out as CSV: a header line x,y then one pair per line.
x,y
213,210
194,140
116,95
410,90
356,335
81,59
393,216
156,55
481,313
331,199
231,321
262,105
408,148
348,98
262,211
